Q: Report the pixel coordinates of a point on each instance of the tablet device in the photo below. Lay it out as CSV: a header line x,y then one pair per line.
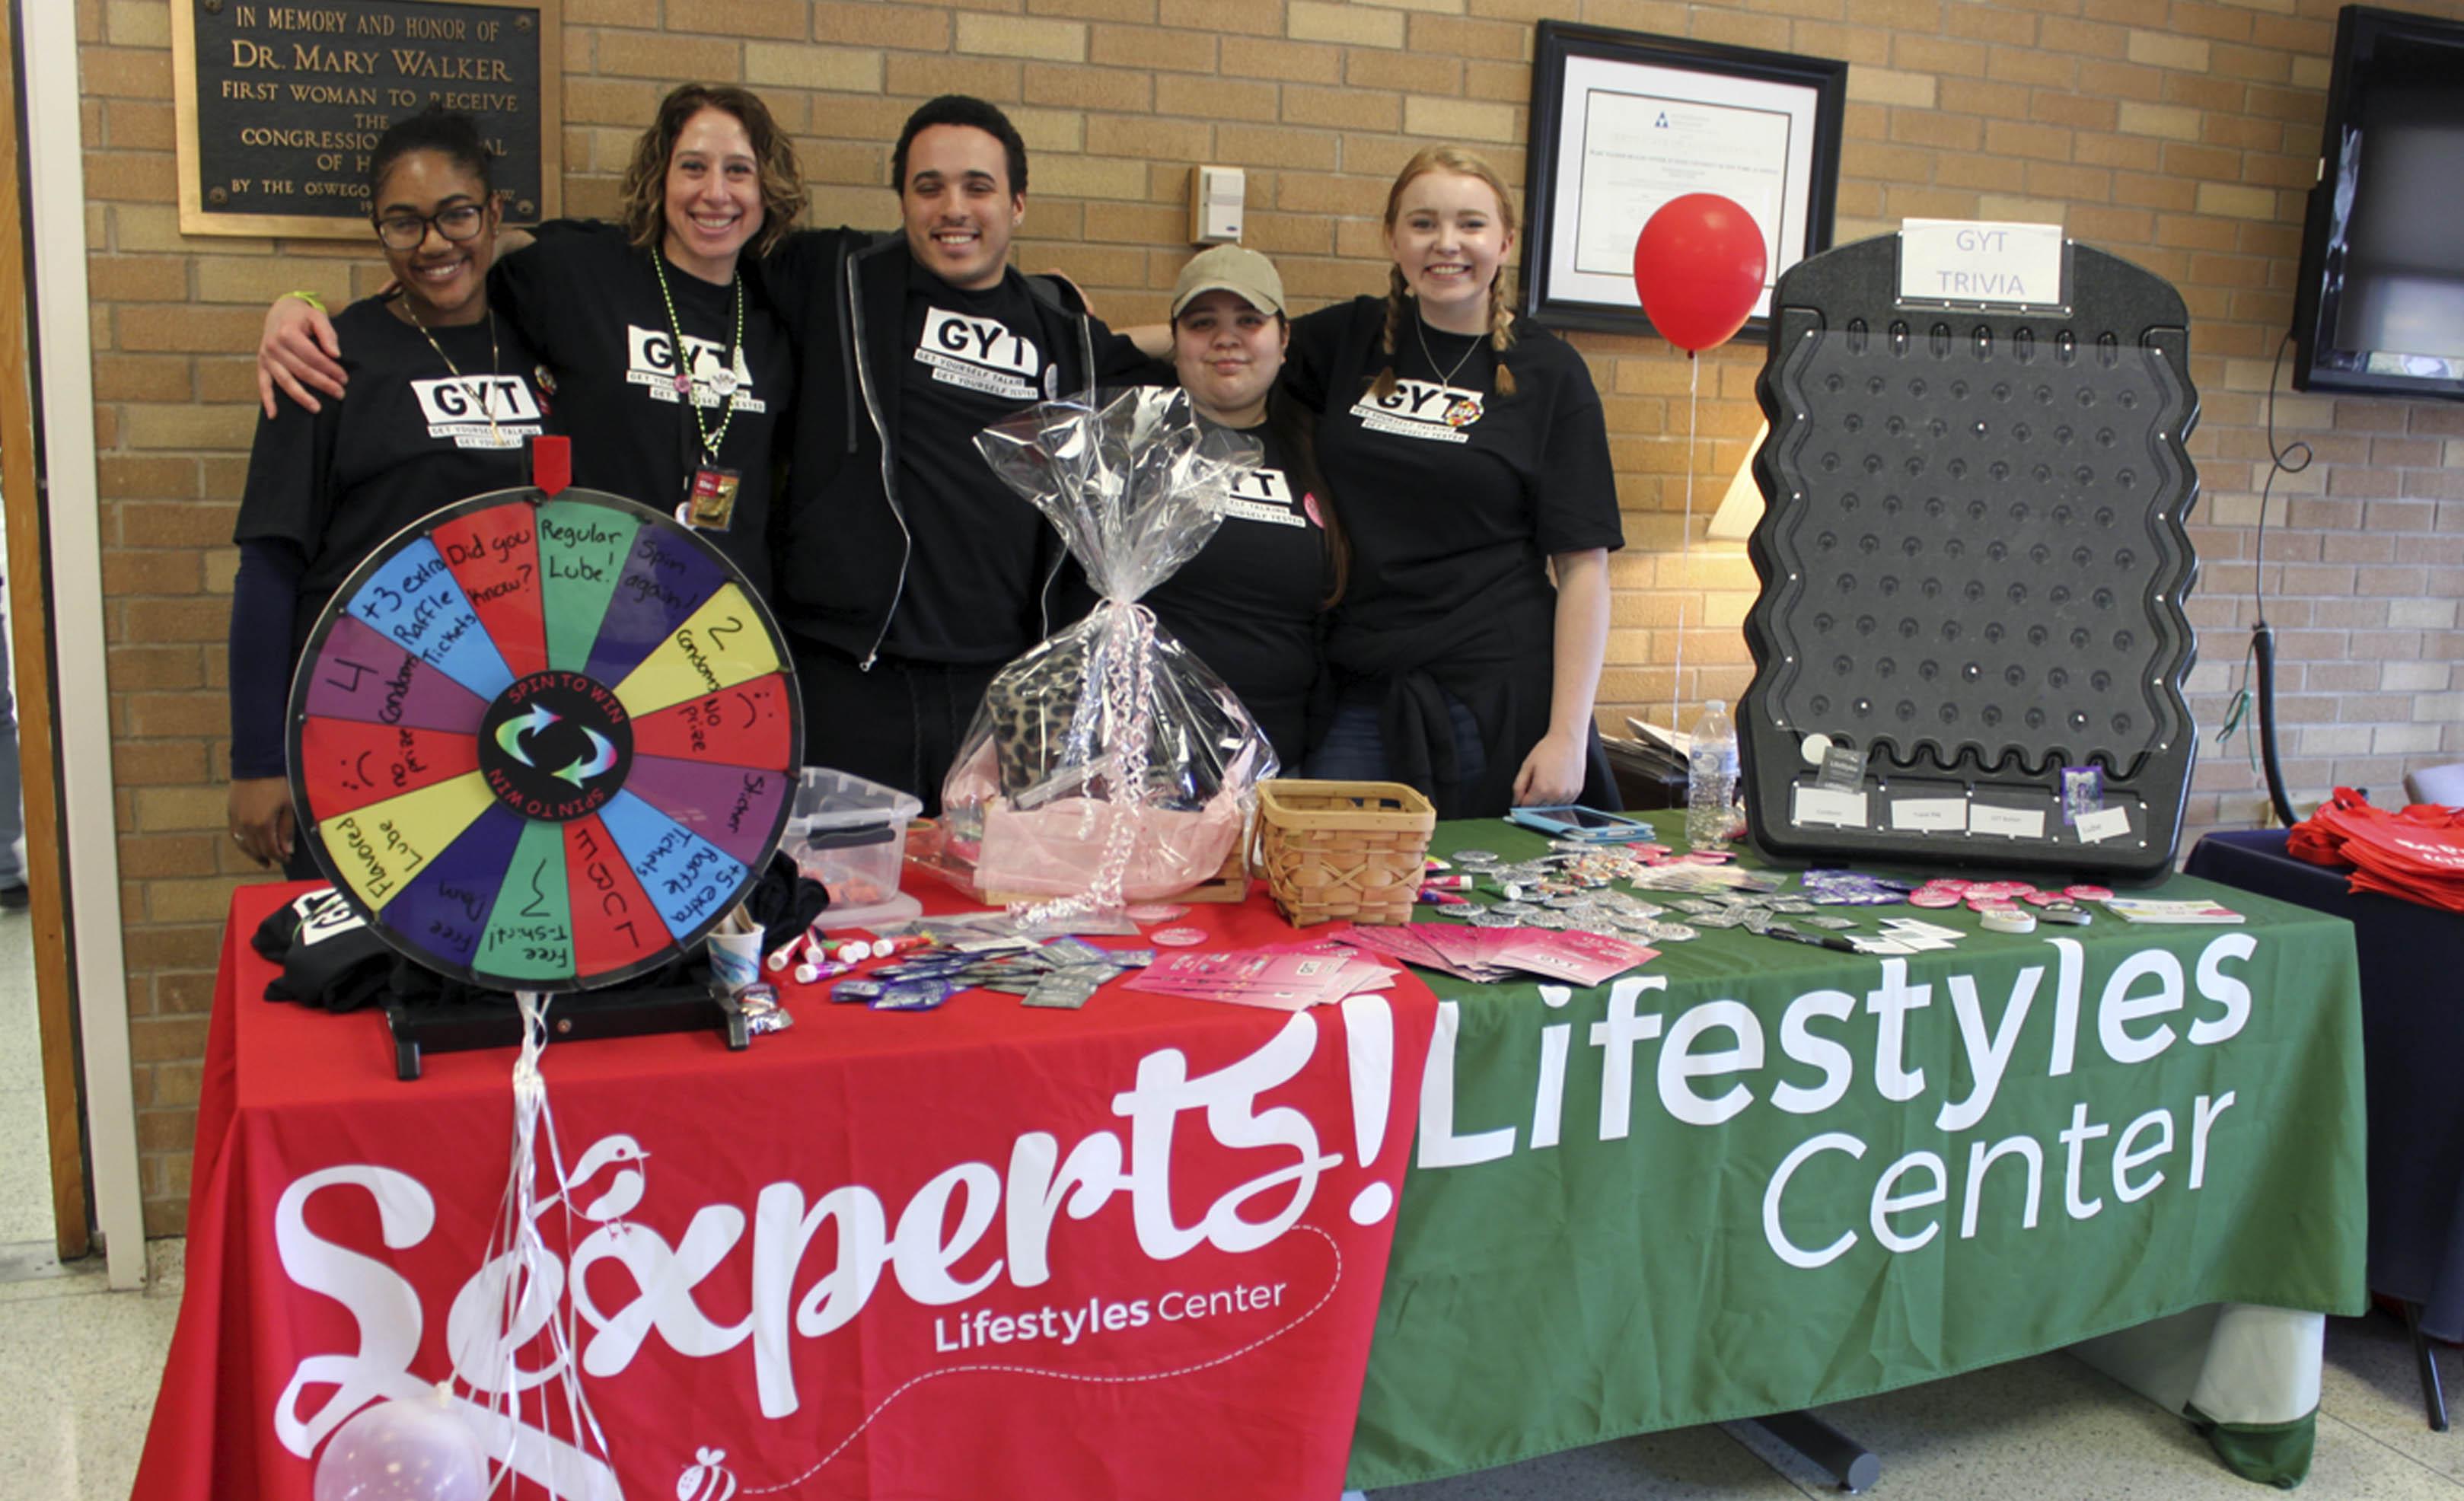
x,y
1590,823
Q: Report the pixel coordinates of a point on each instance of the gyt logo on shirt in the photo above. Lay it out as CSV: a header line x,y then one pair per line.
x,y
1421,410
981,354
480,411
650,361
1262,495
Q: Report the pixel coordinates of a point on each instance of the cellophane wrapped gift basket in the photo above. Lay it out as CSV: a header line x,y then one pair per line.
x,y
1108,764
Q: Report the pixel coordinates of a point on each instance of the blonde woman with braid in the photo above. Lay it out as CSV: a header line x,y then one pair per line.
x,y
1473,462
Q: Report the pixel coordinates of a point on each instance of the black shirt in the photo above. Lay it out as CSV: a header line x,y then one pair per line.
x,y
410,437
1248,603
970,359
1452,494
591,303
852,539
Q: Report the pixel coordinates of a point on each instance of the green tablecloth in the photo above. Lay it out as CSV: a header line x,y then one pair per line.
x,y
1753,1176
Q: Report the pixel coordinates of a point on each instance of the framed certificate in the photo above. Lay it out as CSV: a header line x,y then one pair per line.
x,y
1623,121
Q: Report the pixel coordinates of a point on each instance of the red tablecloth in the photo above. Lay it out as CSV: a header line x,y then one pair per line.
x,y
987,1251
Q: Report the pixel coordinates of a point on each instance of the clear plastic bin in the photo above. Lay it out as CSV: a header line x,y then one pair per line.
x,y
850,834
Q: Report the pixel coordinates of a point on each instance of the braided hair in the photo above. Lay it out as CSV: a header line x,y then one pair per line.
x,y
1500,292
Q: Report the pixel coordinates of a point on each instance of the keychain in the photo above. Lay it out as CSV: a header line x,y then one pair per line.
x,y
710,498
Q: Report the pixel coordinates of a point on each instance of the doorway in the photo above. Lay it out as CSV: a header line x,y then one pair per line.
x,y
42,1140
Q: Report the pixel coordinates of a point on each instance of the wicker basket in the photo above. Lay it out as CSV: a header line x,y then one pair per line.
x,y
1343,850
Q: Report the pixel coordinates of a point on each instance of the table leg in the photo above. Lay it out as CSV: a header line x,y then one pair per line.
x,y
2431,1397
1847,1461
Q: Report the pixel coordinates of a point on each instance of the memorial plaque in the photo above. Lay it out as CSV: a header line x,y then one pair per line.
x,y
280,104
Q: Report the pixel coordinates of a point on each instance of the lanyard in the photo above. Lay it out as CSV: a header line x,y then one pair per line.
x,y
724,382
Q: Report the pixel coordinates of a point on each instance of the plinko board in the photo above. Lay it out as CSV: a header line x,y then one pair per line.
x,y
546,744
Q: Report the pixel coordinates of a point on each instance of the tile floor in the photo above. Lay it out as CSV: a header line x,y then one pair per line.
x,y
25,1167
2048,1428
83,1363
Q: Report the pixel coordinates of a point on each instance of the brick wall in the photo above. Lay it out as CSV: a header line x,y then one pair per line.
x,y
2180,133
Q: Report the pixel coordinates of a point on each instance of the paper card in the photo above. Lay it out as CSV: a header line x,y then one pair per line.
x,y
2110,823
2015,823
1430,960
1826,806
1931,815
1456,945
1272,998
1402,943
1972,261
1585,959
2142,909
1222,966
1267,1000
1916,928
1282,981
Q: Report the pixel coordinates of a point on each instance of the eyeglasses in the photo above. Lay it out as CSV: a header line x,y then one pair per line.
x,y
403,232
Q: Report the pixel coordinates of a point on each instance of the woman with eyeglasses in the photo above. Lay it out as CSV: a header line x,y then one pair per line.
x,y
440,404
664,357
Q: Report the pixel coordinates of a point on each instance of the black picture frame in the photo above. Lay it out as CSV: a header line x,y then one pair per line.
x,y
1769,95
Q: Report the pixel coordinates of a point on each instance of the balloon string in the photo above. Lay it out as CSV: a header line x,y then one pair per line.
x,y
1693,395
1686,538
516,1241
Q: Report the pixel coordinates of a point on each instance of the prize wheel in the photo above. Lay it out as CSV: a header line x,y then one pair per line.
x,y
546,745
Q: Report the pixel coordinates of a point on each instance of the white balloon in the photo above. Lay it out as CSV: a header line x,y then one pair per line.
x,y
404,1451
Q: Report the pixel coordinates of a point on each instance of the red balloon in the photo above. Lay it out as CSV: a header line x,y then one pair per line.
x,y
1698,265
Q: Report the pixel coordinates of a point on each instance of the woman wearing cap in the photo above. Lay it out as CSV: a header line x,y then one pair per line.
x,y
1480,509
1251,604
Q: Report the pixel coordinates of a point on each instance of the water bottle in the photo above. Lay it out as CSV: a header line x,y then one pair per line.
x,y
1711,777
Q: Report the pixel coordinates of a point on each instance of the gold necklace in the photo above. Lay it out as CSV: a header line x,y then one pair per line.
x,y
486,393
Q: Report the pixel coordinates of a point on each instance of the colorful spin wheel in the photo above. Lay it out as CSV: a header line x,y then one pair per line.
x,y
545,747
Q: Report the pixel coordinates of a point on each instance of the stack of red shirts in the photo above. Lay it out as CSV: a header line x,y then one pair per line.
x,y
2417,854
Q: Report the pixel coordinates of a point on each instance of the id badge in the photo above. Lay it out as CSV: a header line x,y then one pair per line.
x,y
710,498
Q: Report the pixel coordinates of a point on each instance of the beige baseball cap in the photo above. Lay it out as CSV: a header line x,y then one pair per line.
x,y
1233,268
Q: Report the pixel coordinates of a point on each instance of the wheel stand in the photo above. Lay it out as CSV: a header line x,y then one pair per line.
x,y
464,1026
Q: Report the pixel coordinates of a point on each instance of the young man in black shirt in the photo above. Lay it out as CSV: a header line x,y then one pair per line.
x,y
908,574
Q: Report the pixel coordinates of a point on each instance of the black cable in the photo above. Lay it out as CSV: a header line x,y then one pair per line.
x,y
2280,462
2262,636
